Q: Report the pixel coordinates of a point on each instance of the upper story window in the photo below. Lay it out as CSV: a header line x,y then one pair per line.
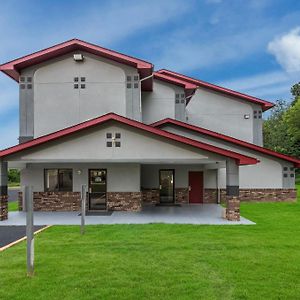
x,y
113,140
25,82
179,98
132,81
257,114
58,180
79,82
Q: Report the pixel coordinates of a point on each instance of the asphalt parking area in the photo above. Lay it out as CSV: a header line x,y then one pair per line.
x,y
10,234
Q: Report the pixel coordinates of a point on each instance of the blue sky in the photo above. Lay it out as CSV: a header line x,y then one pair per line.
x,y
252,46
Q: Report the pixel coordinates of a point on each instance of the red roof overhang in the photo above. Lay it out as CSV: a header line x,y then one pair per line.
x,y
12,68
227,138
239,158
200,83
189,88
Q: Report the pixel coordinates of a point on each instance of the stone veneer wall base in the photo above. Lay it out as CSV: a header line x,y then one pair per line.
x,y
124,201
3,207
264,195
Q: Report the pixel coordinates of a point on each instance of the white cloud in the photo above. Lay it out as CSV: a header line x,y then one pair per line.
x,y
286,50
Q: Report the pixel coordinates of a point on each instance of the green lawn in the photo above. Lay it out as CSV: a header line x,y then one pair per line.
x,y
13,206
163,261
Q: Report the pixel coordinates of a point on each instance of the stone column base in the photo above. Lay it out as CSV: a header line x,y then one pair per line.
x,y
232,208
3,207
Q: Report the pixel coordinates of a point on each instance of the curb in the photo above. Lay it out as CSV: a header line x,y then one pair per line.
x,y
23,238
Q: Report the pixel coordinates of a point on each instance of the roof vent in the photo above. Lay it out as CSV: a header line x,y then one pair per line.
x,y
78,57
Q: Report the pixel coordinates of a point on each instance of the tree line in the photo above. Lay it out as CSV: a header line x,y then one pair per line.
x,y
282,128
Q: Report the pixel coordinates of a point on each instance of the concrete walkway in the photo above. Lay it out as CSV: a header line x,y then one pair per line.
x,y
208,214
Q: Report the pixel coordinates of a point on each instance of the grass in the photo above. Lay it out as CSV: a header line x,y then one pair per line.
x,y
160,261
14,184
13,206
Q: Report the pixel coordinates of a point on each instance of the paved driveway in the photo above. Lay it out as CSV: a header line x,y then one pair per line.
x,y
9,234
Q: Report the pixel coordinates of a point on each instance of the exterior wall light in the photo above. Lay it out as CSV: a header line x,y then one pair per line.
x,y
78,57
79,172
247,117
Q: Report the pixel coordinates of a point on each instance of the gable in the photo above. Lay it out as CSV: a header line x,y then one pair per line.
x,y
136,146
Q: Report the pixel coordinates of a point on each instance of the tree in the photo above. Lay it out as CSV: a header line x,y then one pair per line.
x,y
276,135
292,118
295,90
13,176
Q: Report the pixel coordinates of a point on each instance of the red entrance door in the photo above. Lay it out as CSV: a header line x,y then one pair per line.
x,y
196,187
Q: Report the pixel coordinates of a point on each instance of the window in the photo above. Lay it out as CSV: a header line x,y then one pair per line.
x,y
24,79
136,78
129,85
292,175
128,78
79,82
285,168
113,139
58,180
136,85
285,175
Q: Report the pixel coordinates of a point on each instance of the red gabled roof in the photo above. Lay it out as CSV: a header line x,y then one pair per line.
x,y
227,138
240,158
13,67
189,88
200,83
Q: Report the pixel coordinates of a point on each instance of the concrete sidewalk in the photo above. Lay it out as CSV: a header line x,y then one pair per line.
x,y
204,214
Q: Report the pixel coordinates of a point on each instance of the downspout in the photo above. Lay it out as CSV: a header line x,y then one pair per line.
x,y
141,80
218,186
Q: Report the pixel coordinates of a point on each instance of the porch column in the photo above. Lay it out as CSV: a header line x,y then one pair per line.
x,y
232,191
3,191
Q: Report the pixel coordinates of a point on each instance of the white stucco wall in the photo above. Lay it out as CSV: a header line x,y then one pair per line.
x,y
58,105
160,103
150,175
120,177
221,113
266,174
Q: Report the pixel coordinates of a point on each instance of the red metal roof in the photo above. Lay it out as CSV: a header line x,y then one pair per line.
x,y
200,83
12,68
239,158
189,88
227,138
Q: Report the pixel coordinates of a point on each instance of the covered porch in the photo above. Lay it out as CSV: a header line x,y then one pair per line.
x,y
151,190
205,214
120,161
